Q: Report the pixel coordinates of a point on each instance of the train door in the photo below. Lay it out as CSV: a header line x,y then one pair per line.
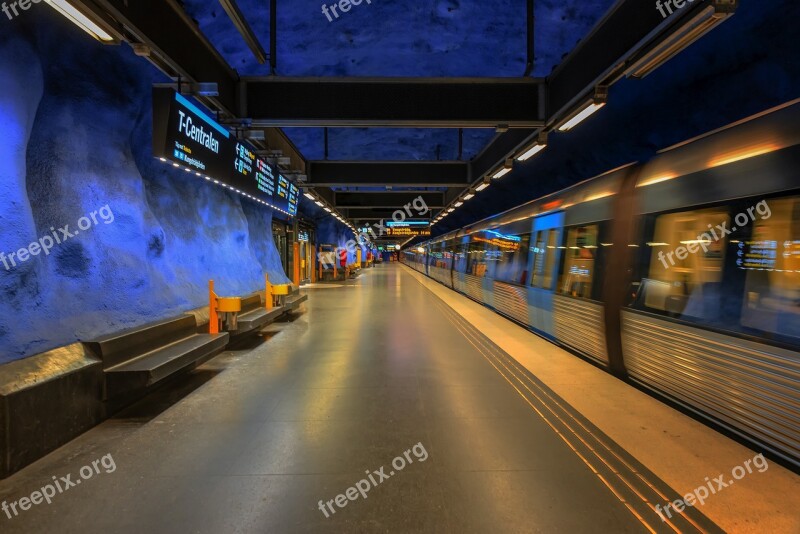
x,y
546,245
279,236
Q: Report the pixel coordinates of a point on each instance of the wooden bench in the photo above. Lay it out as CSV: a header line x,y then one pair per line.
x,y
138,358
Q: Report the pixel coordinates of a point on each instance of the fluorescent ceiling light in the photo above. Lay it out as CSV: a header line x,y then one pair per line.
x,y
469,195
458,204
483,186
320,204
450,210
80,20
309,196
584,114
502,172
532,151
684,36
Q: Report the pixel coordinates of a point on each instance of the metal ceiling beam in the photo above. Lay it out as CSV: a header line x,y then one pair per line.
x,y
387,173
175,43
373,214
243,27
395,102
388,199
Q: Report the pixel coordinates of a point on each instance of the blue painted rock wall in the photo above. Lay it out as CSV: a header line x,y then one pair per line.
x,y
75,121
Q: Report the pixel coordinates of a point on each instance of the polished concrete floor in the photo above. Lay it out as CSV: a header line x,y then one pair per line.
x,y
373,370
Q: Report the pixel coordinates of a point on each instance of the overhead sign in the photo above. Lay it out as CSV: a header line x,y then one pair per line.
x,y
186,136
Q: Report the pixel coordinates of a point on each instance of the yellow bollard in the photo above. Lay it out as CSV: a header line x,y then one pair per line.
x,y
268,298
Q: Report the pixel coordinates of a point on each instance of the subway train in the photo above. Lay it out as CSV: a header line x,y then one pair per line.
x,y
680,274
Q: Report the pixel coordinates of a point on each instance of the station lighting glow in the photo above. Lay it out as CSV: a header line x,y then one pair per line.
x,y
747,153
309,196
320,204
450,210
469,196
226,186
483,186
598,196
328,210
80,20
657,179
584,114
458,204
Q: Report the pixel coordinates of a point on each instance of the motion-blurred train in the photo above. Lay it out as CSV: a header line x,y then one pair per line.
x,y
681,274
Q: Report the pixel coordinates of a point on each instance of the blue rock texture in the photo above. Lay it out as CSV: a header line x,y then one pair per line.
x,y
75,121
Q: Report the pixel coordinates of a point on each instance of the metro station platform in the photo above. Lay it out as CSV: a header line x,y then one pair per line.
x,y
496,430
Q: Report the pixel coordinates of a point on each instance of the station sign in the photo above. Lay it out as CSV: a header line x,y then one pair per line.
x,y
186,136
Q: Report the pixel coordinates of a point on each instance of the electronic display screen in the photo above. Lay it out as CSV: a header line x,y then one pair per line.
x,y
186,136
294,198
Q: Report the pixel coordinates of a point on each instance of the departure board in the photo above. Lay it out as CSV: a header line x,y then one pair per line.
x,y
294,198
186,136
265,177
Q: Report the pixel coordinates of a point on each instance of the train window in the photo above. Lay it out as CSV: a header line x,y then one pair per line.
x,y
476,257
512,258
545,252
580,262
460,258
771,259
686,265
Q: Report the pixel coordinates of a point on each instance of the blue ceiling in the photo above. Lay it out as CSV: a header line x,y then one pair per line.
x,y
390,38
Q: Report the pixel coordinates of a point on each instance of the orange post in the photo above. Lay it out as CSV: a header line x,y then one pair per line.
x,y
213,319
296,262
313,268
268,299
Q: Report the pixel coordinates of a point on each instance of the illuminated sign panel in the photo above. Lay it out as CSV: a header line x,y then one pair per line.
x,y
408,232
294,198
186,136
406,224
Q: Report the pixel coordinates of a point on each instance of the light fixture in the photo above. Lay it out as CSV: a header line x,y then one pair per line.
x,y
657,179
309,196
469,195
597,103
458,204
507,166
680,39
320,204
538,146
450,210
82,21
743,154
486,183
328,210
